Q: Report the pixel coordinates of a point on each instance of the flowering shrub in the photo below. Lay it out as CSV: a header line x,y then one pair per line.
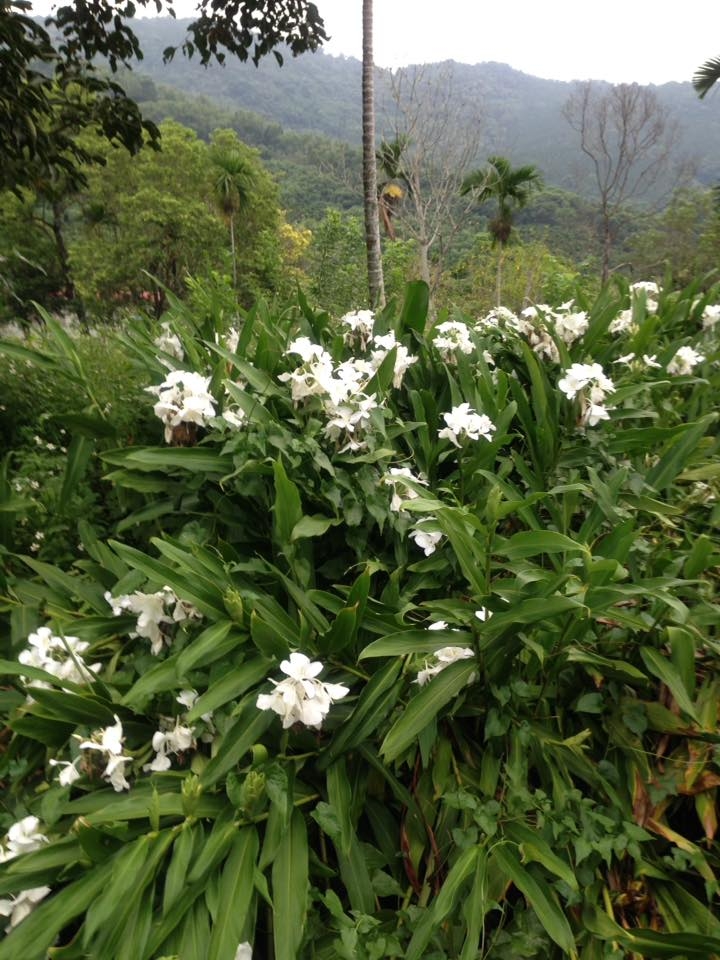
x,y
414,654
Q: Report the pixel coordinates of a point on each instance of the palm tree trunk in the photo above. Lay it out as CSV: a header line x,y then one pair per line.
x,y
499,278
232,250
376,286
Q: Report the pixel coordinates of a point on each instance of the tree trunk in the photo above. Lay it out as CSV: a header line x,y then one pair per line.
x,y
499,278
69,292
232,250
376,286
606,247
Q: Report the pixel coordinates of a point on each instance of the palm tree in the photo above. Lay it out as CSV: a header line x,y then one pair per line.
x,y
706,76
511,187
394,183
376,285
232,186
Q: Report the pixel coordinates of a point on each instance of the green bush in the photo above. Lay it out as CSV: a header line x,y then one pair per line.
x,y
422,661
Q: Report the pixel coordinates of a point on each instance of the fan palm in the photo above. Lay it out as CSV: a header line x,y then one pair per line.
x,y
706,76
511,187
231,188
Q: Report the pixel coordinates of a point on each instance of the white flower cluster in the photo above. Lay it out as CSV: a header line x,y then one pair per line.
x,y
684,361
22,837
464,423
109,741
710,315
360,325
623,322
401,491
152,613
60,656
588,381
647,361
451,338
301,698
169,342
403,359
339,387
442,658
170,739
183,398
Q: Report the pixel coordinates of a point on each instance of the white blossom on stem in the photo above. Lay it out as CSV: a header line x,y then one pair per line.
x,y
301,698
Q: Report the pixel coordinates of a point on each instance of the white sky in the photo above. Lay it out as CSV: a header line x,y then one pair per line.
x,y
647,41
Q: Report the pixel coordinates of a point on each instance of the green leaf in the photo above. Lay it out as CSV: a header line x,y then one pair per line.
x,y
231,685
424,707
448,899
37,933
412,642
314,526
287,508
78,456
677,453
237,741
663,668
416,304
235,893
201,460
530,543
539,895
212,644
534,847
375,703
290,889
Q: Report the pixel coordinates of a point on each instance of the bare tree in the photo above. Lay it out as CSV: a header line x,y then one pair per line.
x,y
628,136
439,133
372,222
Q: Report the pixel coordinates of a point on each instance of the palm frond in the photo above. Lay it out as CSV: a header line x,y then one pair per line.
x,y
706,76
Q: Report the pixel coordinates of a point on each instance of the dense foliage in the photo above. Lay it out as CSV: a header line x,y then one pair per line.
x,y
404,642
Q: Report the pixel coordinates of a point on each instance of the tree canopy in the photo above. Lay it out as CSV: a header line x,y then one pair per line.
x,y
52,83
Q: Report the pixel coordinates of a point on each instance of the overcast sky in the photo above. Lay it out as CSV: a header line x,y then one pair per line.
x,y
647,41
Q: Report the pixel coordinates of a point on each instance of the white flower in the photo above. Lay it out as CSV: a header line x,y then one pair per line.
x,y
361,324
427,540
464,422
594,413
683,362
109,741
648,287
244,951
444,657
451,337
231,340
22,837
402,492
22,904
483,614
403,359
69,772
650,361
439,625
710,315
183,398
234,416
622,322
626,358
164,742
301,698
571,326
169,342
59,656
151,612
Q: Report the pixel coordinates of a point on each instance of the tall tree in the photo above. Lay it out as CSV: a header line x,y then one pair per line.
x,y
50,88
232,186
434,139
628,136
510,187
376,285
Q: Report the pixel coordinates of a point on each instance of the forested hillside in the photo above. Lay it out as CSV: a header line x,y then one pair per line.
x,y
521,115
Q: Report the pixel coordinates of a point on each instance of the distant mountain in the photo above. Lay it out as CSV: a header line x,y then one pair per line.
x,y
521,115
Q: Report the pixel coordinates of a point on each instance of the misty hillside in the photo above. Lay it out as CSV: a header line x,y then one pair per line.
x,y
520,115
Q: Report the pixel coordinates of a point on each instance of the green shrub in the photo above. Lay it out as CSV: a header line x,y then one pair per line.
x,y
336,709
